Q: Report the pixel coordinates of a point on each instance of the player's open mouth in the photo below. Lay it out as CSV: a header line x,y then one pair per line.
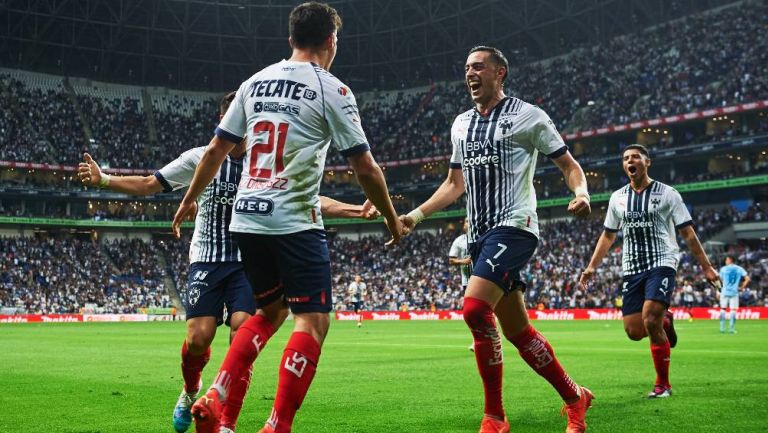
x,y
632,169
474,85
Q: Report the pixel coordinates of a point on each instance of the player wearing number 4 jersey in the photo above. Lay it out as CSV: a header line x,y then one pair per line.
x,y
495,149
288,113
216,276
649,213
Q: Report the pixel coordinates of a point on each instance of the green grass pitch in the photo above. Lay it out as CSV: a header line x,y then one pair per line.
x,y
385,377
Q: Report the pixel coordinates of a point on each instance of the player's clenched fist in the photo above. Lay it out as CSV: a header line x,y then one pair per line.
x,y
89,172
579,207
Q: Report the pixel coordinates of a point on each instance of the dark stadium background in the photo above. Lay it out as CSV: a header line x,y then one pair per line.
x,y
136,82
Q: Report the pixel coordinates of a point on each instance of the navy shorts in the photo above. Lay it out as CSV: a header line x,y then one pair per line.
x,y
295,267
655,284
212,286
357,305
500,254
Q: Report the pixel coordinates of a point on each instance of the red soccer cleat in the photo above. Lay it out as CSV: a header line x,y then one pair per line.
x,y
494,425
206,412
267,429
577,411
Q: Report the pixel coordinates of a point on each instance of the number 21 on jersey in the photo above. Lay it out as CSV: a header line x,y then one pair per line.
x,y
272,145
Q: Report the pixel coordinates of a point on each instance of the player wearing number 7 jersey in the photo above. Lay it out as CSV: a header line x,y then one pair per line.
x,y
289,113
649,213
495,147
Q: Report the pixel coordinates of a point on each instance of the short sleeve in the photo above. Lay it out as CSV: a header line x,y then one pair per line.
x,y
742,272
544,135
679,213
179,172
456,155
344,119
233,126
612,219
455,248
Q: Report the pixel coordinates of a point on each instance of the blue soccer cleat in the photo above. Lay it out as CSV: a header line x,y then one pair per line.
x,y
182,415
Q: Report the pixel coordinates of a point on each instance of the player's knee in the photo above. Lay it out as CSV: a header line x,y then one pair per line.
x,y
476,312
653,324
199,339
634,334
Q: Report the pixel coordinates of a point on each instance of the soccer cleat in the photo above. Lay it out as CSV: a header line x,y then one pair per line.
x,y
226,430
472,347
494,425
660,392
207,411
577,412
732,331
267,429
671,334
182,418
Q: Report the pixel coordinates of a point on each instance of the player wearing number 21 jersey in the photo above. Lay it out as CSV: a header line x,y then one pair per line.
x,y
288,113
649,213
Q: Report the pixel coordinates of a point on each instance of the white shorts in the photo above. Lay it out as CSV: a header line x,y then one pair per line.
x,y
731,302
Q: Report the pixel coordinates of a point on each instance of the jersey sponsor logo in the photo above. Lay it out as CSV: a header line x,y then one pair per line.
x,y
288,89
481,160
229,201
227,186
343,91
474,146
634,214
276,107
296,364
638,225
255,206
200,275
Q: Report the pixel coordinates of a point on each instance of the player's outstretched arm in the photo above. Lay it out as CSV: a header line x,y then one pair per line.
x,y
577,182
604,243
448,192
209,164
690,238
459,262
90,174
371,178
338,209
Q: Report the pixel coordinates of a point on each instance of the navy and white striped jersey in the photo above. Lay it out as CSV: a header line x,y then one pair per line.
x,y
497,154
211,242
649,220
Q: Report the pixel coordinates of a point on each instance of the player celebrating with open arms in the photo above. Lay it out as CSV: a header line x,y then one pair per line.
x,y
216,275
495,146
288,113
650,214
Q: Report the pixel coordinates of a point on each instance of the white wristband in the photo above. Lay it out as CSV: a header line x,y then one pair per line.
x,y
581,191
416,215
105,179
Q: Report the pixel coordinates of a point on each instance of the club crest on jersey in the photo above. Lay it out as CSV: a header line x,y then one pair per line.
x,y
506,126
655,202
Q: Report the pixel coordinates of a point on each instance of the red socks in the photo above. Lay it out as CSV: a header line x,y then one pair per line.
x,y
192,367
660,354
231,410
297,369
537,352
249,340
481,321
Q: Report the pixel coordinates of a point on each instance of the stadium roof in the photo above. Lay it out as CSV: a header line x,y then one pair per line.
x,y
214,45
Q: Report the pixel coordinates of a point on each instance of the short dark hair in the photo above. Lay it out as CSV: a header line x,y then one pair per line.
x,y
640,147
310,24
225,101
496,55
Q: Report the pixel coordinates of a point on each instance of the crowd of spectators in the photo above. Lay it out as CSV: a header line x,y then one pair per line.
x,y
703,61
66,275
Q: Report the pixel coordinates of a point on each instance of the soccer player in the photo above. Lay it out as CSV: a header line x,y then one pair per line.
x,y
735,279
458,255
356,291
495,146
216,276
650,214
289,113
